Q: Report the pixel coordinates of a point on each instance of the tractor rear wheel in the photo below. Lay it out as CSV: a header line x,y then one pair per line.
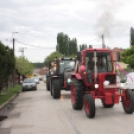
x,y
89,105
56,88
107,105
77,91
48,83
128,103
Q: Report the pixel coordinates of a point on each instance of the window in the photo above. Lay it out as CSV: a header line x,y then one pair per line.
x,y
103,61
66,64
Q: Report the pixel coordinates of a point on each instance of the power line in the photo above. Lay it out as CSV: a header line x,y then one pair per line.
x,y
96,39
36,46
26,48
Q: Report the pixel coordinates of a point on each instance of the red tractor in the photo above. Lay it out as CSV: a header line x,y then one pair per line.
x,y
94,77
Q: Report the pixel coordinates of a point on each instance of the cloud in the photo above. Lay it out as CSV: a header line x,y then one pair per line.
x,y
38,23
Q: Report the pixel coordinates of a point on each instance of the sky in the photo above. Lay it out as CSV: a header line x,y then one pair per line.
x,y
35,24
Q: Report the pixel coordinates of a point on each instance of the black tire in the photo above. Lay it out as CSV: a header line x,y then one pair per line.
x,y
107,105
50,87
77,92
128,105
89,105
48,83
51,92
56,88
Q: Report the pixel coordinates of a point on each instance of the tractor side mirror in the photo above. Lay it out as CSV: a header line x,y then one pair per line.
x,y
82,68
123,80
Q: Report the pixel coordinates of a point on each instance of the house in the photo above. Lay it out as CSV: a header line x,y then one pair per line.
x,y
117,56
35,71
117,53
43,71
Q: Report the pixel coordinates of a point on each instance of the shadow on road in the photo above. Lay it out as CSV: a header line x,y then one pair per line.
x,y
65,96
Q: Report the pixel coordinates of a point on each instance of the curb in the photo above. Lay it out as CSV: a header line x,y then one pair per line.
x,y
8,101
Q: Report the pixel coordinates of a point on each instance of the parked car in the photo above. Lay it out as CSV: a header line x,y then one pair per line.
x,y
29,84
40,77
36,79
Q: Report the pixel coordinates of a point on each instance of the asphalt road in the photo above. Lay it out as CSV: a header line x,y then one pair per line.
x,y
36,112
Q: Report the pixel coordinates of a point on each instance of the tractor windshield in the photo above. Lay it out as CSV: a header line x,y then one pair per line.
x,y
66,64
104,63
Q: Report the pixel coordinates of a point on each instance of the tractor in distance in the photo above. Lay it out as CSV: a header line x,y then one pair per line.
x,y
93,78
59,75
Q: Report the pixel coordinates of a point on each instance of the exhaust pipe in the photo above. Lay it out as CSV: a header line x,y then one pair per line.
x,y
95,65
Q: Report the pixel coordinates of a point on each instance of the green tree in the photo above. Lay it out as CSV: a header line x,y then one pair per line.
x,y
90,46
132,36
23,66
2,64
73,47
128,56
51,57
62,43
83,46
38,65
10,62
7,63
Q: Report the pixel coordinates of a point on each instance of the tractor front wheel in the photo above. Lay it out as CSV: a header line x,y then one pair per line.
x,y
56,88
77,92
89,105
128,101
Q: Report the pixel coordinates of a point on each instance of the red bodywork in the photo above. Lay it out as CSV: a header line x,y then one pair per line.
x,y
108,95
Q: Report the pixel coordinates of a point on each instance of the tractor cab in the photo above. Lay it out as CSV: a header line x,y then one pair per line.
x,y
64,69
64,65
98,67
102,60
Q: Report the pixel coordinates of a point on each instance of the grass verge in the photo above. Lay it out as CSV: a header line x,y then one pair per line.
x,y
6,95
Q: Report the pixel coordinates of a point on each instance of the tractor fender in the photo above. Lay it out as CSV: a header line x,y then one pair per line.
x,y
77,76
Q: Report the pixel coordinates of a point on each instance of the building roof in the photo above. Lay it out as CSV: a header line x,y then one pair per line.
x,y
43,71
35,71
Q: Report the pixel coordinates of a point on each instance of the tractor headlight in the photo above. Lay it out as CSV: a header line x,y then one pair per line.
x,y
106,83
96,85
122,85
52,73
68,80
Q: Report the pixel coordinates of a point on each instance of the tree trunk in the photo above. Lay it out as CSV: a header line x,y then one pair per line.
x,y
18,78
0,88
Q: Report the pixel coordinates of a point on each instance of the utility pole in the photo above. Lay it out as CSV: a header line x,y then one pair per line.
x,y
14,65
14,57
103,42
13,47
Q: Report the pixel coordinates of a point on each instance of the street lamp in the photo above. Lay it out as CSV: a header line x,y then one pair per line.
x,y
7,75
13,34
13,56
13,41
